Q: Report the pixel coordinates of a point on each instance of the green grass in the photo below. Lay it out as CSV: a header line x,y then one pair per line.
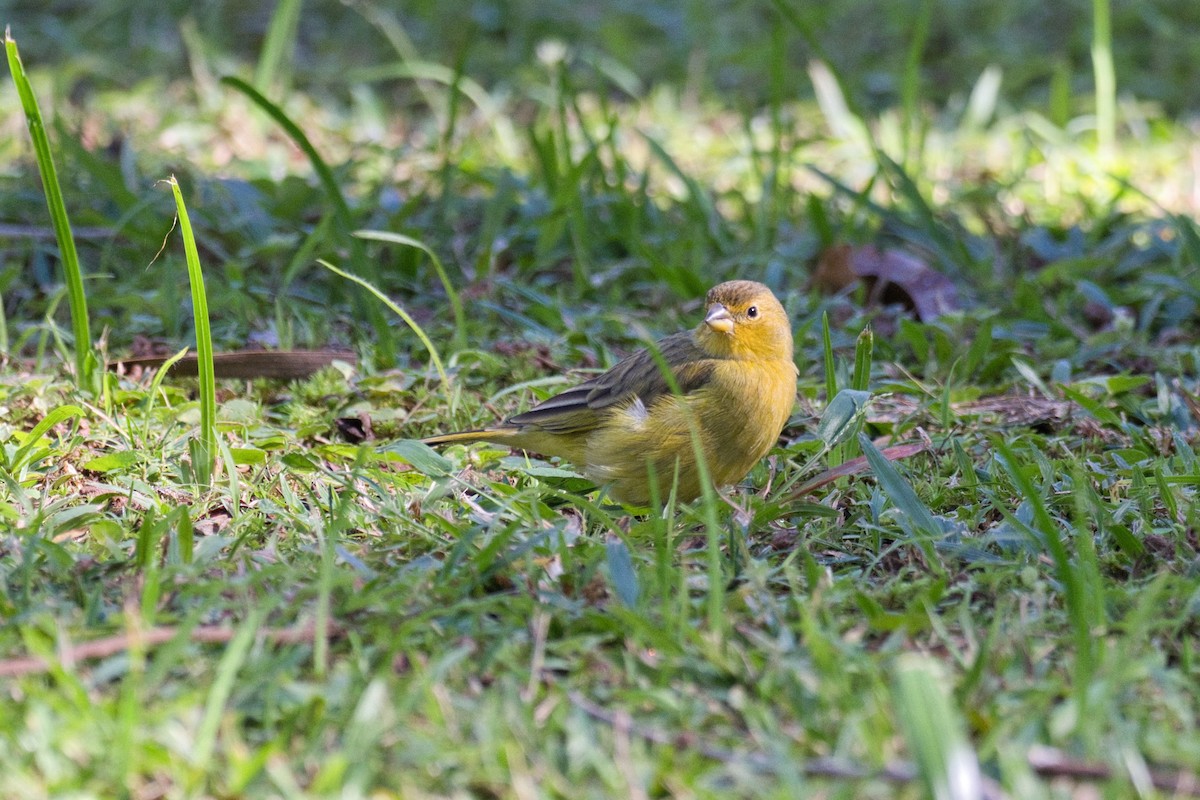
x,y
342,618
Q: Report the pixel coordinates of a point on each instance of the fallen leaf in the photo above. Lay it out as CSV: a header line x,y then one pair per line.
x,y
891,277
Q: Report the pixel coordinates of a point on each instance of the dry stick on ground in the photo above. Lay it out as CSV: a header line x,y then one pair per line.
x,y
246,364
111,645
1045,761
817,768
1051,763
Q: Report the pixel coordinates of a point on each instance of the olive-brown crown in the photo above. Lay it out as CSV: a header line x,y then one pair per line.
x,y
760,326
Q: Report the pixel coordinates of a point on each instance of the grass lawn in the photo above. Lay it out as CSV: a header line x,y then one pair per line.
x,y
970,568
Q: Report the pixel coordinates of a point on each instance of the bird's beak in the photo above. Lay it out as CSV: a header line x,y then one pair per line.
x,y
719,319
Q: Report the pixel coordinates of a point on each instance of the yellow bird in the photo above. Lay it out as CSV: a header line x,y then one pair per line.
x,y
736,381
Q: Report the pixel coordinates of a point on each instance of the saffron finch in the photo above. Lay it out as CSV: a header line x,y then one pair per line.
x,y
736,381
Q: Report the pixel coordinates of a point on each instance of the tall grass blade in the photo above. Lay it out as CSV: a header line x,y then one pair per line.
x,y
1082,610
492,110
715,607
231,663
844,122
863,350
300,139
22,454
1105,75
898,489
985,96
341,209
272,70
456,306
902,495
86,361
910,86
933,728
3,329
205,452
398,311
827,353
700,204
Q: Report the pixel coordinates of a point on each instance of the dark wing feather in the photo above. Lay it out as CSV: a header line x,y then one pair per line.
x,y
639,375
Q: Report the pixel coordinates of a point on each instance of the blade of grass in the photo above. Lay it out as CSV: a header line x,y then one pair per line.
x,y
155,387
502,126
945,761
835,456
827,351
1081,610
1105,76
715,606
3,329
218,695
950,247
341,207
449,157
902,495
324,173
910,87
279,42
621,571
56,416
400,312
700,204
460,319
206,450
864,349
86,361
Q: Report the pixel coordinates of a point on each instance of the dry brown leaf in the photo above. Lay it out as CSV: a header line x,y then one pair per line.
x,y
245,364
891,277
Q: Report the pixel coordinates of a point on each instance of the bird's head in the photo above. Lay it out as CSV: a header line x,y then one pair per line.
x,y
743,319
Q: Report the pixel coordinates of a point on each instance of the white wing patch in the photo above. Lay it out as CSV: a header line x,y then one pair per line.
x,y
638,413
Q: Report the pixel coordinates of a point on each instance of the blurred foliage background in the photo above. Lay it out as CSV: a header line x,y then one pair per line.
x,y
669,144
716,49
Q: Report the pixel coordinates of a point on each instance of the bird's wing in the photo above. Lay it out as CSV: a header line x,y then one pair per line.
x,y
637,376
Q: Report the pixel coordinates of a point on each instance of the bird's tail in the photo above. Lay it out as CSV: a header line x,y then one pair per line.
x,y
497,435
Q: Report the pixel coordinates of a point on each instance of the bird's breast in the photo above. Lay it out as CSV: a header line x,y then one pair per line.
x,y
752,401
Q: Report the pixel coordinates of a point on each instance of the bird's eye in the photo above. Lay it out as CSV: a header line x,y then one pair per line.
x,y
752,312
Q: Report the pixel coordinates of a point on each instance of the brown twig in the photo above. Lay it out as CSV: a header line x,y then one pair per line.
x,y
111,645
1045,761
1051,763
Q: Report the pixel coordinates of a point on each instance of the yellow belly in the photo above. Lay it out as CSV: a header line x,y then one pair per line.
x,y
732,422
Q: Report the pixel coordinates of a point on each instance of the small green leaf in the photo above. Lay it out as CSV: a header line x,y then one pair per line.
x,y
621,571
1093,407
1029,374
299,462
1129,544
841,416
239,409
112,461
1120,384
421,457
248,455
